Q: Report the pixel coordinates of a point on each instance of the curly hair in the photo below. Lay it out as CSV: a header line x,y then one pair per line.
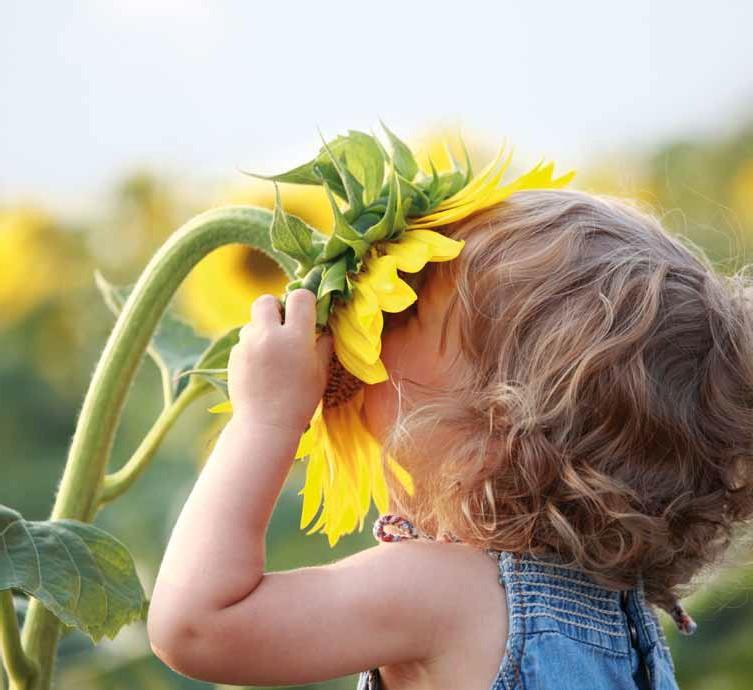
x,y
607,414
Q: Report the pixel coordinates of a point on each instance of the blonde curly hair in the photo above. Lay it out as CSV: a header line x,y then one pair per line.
x,y
607,414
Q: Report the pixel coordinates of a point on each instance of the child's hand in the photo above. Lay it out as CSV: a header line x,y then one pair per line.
x,y
277,373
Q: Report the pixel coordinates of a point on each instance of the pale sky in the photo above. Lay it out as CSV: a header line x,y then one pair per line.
x,y
90,89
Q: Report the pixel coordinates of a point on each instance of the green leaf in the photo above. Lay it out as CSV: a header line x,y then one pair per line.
x,y
82,574
219,384
292,236
404,161
212,365
174,347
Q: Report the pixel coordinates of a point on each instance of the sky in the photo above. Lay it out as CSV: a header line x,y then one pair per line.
x,y
90,90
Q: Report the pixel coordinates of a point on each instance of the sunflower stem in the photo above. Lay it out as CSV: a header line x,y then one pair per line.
x,y
117,483
167,386
20,669
79,489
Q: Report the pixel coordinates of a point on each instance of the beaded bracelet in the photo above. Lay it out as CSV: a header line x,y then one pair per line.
x,y
685,624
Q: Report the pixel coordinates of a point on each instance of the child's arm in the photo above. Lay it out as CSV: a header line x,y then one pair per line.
x,y
217,616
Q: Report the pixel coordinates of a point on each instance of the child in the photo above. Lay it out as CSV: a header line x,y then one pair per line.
x,y
573,396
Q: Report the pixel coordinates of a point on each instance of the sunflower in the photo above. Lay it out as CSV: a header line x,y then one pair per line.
x,y
355,273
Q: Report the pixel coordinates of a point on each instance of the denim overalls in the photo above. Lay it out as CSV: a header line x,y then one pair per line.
x,y
568,633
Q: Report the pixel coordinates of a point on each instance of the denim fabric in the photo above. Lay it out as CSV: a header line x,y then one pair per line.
x,y
568,633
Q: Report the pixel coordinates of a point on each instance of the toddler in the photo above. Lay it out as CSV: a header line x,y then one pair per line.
x,y
573,396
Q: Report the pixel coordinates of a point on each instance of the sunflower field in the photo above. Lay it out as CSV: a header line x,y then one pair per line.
x,y
64,280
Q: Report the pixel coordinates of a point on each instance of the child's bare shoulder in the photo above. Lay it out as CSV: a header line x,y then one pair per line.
x,y
446,599
454,585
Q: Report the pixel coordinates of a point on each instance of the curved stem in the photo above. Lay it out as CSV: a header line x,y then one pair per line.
x,y
99,415
117,483
19,667
167,387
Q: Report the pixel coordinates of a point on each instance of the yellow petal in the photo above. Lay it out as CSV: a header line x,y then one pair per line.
x,y
368,372
220,408
364,302
313,487
403,476
305,444
482,192
416,247
410,255
393,293
365,344
379,486
441,247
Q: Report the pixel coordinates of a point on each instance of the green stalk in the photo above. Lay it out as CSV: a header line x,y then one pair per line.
x,y
117,483
78,490
21,670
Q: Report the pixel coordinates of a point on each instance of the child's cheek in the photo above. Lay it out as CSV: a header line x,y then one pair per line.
x,y
380,399
380,408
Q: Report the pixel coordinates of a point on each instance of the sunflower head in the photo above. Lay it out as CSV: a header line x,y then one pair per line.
x,y
388,215
384,207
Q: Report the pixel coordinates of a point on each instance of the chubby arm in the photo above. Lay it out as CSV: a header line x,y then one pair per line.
x,y
215,615
388,604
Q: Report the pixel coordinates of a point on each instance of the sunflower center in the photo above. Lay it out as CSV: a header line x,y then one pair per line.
x,y
341,385
257,264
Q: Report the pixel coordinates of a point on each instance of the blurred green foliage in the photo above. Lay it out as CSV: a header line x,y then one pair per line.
x,y
702,189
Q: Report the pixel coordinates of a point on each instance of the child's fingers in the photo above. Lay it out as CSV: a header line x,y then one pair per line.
x,y
300,310
265,311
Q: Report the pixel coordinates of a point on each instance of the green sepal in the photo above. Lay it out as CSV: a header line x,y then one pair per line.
x,y
332,281
415,199
312,279
334,248
292,236
450,183
455,179
325,171
333,278
402,157
367,220
322,309
365,160
468,164
343,232
312,172
382,229
353,188
433,191
399,225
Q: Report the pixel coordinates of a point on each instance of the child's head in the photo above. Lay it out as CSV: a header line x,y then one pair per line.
x,y
600,404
